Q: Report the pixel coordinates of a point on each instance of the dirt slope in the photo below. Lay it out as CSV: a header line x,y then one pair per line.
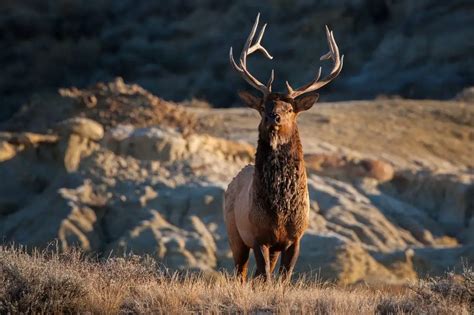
x,y
410,133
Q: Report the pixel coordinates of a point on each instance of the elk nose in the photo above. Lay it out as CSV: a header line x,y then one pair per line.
x,y
274,118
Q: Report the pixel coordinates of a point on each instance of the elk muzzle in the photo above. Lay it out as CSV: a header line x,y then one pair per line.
x,y
273,119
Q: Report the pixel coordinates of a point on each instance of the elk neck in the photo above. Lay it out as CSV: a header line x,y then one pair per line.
x,y
280,177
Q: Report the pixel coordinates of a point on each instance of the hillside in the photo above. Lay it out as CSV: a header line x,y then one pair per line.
x,y
114,170
179,49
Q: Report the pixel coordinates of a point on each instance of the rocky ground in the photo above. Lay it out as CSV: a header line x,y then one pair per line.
x,y
113,169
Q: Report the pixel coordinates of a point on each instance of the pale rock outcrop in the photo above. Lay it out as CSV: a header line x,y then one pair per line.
x,y
78,140
11,143
83,127
7,151
167,145
67,215
146,143
348,168
372,219
447,197
174,247
329,257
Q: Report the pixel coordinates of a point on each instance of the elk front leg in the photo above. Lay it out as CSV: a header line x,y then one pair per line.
x,y
288,260
273,259
262,259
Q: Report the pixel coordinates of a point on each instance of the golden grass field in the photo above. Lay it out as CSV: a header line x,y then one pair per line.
x,y
44,282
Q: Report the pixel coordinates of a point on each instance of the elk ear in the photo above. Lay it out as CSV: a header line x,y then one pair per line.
x,y
250,100
305,102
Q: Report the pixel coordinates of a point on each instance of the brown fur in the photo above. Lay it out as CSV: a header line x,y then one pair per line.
x,y
280,192
273,194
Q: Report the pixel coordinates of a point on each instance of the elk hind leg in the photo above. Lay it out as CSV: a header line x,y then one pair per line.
x,y
240,251
241,261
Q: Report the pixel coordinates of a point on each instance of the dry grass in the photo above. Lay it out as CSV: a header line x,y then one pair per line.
x,y
44,282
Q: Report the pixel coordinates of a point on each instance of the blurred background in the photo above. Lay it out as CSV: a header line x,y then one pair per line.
x,y
179,49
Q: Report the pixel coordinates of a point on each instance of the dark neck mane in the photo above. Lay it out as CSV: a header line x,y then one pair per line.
x,y
280,177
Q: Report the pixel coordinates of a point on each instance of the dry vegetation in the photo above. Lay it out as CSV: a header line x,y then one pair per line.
x,y
44,282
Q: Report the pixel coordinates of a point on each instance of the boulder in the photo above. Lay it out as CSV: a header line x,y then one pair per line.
x,y
348,168
377,169
331,258
164,145
83,127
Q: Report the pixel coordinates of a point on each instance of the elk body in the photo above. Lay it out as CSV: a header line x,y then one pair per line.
x,y
267,205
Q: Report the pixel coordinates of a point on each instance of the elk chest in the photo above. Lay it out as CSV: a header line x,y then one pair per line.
x,y
281,204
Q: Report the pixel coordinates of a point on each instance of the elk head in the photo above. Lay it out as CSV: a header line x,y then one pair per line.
x,y
279,111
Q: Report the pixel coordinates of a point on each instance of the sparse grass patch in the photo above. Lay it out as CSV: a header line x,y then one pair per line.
x,y
44,282
451,294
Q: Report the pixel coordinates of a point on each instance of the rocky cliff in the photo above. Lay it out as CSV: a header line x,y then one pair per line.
x,y
114,170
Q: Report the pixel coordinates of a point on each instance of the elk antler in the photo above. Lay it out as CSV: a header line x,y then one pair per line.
x,y
316,84
246,51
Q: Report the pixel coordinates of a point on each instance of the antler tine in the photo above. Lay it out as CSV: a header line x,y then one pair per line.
x,y
258,44
232,61
314,85
248,42
246,51
333,49
270,81
290,89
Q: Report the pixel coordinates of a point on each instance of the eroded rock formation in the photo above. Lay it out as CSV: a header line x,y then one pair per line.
x,y
150,187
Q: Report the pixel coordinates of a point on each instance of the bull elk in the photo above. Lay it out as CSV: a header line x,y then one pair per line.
x,y
267,205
